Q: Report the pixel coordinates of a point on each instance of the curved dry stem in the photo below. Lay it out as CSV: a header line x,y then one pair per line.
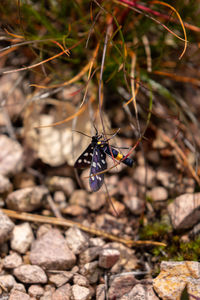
x,y
68,223
179,17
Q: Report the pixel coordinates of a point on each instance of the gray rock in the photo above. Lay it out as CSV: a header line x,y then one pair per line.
x,y
158,193
144,176
101,292
76,239
36,291
96,201
49,290
79,197
80,292
59,197
140,292
11,156
91,271
60,278
6,227
7,281
22,237
89,255
27,199
17,295
5,185
108,257
62,293
121,285
50,251
184,211
96,242
19,287
135,204
57,183
12,261
30,274
80,280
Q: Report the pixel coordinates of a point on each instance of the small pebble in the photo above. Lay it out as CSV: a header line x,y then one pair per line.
x,y
17,295
36,291
27,199
6,227
80,292
12,261
51,251
22,237
60,278
30,274
7,282
108,257
77,240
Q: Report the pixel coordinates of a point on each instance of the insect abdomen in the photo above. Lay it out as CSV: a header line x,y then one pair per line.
x,y
118,156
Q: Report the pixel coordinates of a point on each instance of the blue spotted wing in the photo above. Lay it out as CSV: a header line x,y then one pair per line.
x,y
85,158
98,164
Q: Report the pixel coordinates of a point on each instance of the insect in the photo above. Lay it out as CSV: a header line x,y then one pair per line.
x,y
95,157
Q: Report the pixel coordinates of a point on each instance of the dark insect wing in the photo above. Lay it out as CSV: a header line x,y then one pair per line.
x,y
98,164
85,158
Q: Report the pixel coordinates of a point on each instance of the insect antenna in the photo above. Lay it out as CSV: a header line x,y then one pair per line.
x,y
82,133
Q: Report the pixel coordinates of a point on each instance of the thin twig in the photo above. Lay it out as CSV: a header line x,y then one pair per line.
x,y
69,223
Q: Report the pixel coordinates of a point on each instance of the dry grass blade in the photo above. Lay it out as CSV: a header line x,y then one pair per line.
x,y
174,145
69,223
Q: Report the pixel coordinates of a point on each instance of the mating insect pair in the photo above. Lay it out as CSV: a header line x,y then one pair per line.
x,y
95,155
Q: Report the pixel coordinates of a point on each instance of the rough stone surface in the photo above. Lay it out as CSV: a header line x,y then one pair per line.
x,y
50,251
5,185
74,210
7,282
175,276
11,156
57,183
96,201
19,287
144,176
17,295
121,285
158,193
101,292
62,293
30,274
108,257
140,292
36,291
6,227
27,199
128,261
165,177
135,204
89,255
59,197
76,239
49,290
22,237
91,271
126,187
60,278
80,280
79,197
12,261
96,242
184,211
80,292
